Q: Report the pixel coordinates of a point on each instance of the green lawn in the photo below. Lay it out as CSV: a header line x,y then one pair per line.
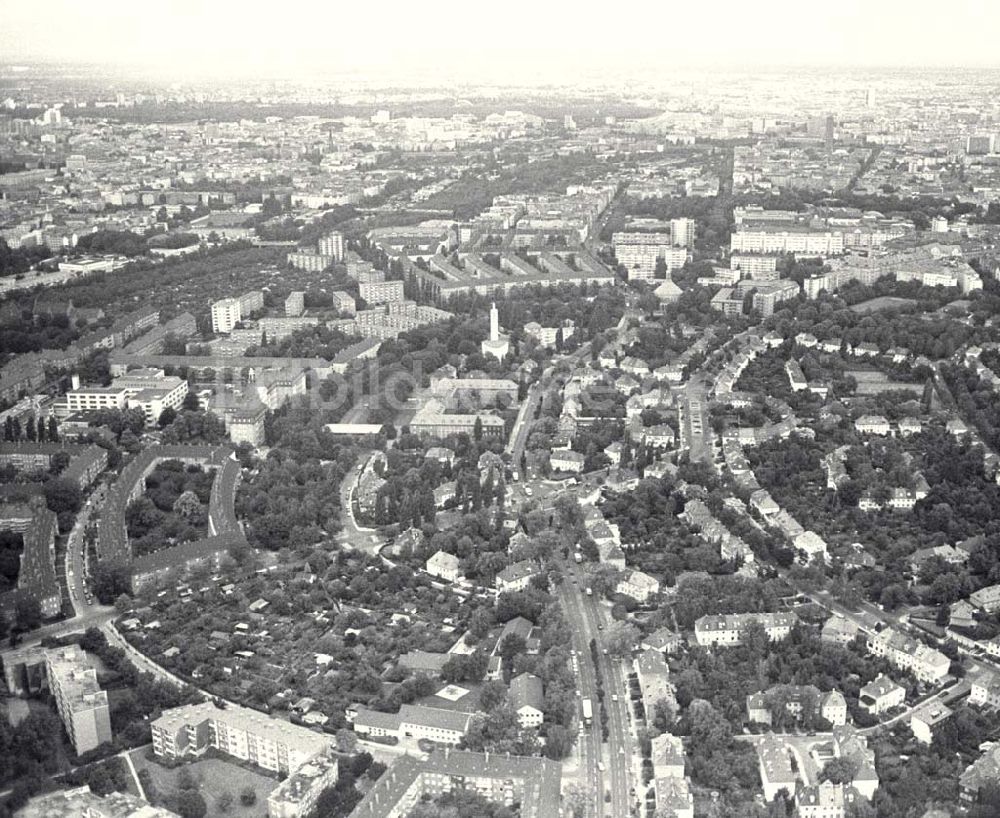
x,y
215,776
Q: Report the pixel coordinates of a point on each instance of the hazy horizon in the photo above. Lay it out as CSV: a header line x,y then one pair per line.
x,y
299,39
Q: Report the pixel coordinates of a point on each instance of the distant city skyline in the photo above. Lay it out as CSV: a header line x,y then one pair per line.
x,y
299,38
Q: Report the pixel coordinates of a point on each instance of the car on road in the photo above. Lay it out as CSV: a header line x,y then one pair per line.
x,y
614,697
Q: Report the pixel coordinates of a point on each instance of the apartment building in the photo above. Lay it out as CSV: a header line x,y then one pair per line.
x,y
344,303
226,314
82,705
297,795
639,252
295,304
95,398
927,664
332,245
273,744
533,783
725,629
754,265
310,261
768,294
381,292
800,240
80,802
682,232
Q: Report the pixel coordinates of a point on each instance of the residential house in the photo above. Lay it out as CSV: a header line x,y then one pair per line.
x,y
527,699
838,630
566,460
445,566
881,695
927,664
926,719
516,577
725,629
639,586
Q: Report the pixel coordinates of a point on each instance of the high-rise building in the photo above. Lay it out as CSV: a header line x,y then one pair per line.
x,y
82,705
682,232
332,245
226,314
295,304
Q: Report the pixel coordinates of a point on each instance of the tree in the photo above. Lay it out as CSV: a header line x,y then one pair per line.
x,y
191,402
123,604
191,804
167,416
558,742
621,638
27,613
491,695
248,796
576,799
839,770
62,495
477,429
347,740
225,801
58,462
53,429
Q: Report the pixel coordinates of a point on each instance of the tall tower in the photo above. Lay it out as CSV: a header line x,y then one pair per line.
x,y
496,345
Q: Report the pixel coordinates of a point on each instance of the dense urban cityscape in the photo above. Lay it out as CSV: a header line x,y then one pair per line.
x,y
625,448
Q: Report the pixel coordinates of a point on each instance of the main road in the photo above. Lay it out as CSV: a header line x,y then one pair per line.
x,y
586,618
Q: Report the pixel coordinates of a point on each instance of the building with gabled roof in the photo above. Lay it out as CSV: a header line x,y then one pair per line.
x,y
532,782
725,629
527,698
444,565
516,577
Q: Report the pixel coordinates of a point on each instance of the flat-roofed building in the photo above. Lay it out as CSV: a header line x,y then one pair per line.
x,y
297,795
82,705
295,304
381,292
226,314
95,398
344,303
80,802
273,744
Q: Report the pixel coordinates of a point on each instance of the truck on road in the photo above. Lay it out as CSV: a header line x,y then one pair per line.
x,y
588,712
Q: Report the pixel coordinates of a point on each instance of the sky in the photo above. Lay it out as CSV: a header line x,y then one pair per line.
x,y
230,38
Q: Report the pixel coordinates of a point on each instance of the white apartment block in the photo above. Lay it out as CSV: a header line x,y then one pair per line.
x,y
803,241
682,232
273,744
251,301
226,314
295,304
726,629
297,795
638,253
927,664
82,705
344,303
94,398
332,245
751,265
309,261
381,292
